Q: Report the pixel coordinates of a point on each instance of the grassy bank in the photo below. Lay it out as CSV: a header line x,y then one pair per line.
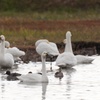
x,y
25,28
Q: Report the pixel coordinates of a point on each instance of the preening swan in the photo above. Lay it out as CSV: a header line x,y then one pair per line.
x,y
48,47
67,59
39,41
81,59
14,51
34,77
6,59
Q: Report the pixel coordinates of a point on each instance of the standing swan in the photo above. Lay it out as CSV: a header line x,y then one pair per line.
x,y
6,59
34,77
67,59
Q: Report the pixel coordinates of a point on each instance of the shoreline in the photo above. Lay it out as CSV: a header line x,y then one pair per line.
x,y
83,48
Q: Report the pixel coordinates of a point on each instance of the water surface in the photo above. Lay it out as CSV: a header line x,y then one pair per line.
x,y
82,82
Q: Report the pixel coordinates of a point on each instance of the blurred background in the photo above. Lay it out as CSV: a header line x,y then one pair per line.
x,y
25,21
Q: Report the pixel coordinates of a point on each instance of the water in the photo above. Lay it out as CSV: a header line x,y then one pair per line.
x,y
82,82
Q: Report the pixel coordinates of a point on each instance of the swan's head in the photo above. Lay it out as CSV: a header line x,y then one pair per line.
x,y
44,54
68,33
2,38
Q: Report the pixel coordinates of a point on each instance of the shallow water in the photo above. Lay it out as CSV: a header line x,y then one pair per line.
x,y
82,82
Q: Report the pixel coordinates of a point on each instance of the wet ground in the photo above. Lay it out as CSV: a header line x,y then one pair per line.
x,y
84,48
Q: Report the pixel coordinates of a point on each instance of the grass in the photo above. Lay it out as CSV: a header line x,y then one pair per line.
x,y
78,24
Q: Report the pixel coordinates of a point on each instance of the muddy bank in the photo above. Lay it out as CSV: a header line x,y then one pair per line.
x,y
83,48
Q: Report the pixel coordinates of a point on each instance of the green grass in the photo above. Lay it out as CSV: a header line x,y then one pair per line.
x,y
55,15
29,37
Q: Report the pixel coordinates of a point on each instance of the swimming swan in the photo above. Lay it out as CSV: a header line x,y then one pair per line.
x,y
81,59
34,77
6,59
67,59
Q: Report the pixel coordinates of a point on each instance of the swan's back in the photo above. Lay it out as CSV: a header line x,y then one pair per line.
x,y
31,77
40,41
66,58
7,62
15,52
83,59
46,47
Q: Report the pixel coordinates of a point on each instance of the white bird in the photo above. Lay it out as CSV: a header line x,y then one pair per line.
x,y
6,59
81,59
39,41
45,45
17,53
49,47
34,77
67,59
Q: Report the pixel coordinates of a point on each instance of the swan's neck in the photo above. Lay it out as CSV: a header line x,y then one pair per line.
x,y
68,45
2,49
44,75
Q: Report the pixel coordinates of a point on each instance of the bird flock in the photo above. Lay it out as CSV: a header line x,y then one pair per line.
x,y
67,59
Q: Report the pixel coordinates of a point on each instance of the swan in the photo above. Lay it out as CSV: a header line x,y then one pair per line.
x,y
81,59
45,45
39,41
49,47
35,77
6,59
67,59
17,53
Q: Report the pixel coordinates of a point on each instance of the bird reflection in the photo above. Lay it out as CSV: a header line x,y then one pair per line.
x,y
44,87
69,73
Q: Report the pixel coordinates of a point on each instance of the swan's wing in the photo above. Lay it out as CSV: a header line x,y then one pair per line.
x,y
54,46
8,60
15,52
46,47
40,41
81,59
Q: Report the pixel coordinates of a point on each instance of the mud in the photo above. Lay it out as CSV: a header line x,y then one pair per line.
x,y
83,48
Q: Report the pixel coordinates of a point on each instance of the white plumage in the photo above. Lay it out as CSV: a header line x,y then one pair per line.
x,y
81,59
49,47
34,77
67,59
6,59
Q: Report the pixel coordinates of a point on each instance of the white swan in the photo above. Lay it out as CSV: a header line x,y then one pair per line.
x,y
45,45
48,47
6,59
34,77
81,59
39,41
14,51
67,59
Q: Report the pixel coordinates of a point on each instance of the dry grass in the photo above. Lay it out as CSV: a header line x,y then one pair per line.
x,y
25,29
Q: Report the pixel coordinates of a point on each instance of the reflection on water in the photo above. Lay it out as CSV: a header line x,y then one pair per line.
x,y
69,73
82,82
